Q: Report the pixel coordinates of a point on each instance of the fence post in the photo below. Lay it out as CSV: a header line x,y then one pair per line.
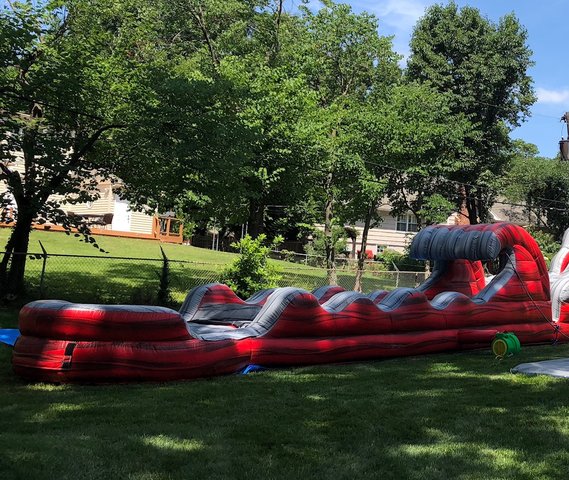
x,y
396,276
42,277
164,297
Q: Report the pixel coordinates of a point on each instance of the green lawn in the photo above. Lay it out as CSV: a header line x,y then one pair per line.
x,y
460,416
110,280
58,242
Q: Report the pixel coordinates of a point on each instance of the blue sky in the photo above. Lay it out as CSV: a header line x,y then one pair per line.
x,y
546,23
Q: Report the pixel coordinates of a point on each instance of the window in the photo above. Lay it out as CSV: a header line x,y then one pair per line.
x,y
407,223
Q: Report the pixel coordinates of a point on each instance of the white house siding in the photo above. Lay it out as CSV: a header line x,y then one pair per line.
x,y
104,204
137,222
384,236
140,222
19,167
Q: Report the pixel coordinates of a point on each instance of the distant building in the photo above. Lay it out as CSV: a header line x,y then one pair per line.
x,y
111,215
396,232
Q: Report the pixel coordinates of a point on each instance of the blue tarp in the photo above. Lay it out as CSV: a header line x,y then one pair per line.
x,y
252,368
9,336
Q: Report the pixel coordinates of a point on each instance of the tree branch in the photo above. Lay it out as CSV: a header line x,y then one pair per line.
x,y
199,16
5,171
278,18
75,158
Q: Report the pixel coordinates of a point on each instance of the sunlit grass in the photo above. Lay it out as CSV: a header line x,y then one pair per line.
x,y
118,280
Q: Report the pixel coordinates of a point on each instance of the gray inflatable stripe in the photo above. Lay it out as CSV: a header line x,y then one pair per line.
x,y
259,326
260,295
320,292
454,238
440,243
420,244
376,293
341,300
212,332
395,298
444,299
437,243
438,270
499,280
193,300
225,313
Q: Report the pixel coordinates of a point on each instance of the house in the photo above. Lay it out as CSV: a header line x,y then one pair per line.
x,y
111,215
396,232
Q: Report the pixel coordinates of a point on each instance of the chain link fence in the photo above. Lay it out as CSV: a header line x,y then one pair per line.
x,y
106,279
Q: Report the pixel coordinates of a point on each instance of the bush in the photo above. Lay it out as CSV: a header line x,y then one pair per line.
x,y
401,260
317,247
251,271
546,242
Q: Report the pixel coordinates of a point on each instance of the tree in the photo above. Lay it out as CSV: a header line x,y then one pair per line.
x,y
541,185
91,90
251,271
57,101
405,138
345,59
482,66
242,51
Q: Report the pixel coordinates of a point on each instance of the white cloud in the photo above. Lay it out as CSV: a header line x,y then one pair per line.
x,y
396,17
400,14
545,95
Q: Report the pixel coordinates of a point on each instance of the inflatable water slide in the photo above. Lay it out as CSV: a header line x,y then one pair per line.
x,y
215,332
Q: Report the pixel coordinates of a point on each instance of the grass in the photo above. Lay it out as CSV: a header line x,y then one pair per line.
x,y
58,242
110,280
459,415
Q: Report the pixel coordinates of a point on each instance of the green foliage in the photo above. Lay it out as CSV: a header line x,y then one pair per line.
x,y
251,271
482,67
542,185
392,259
547,243
317,246
229,112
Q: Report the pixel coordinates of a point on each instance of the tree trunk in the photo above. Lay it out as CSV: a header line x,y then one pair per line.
x,y
13,265
256,222
471,205
330,247
362,255
483,212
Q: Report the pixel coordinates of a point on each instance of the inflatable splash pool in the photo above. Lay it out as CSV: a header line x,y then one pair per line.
x,y
215,332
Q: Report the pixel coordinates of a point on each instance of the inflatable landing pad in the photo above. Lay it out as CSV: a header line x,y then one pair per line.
x,y
553,368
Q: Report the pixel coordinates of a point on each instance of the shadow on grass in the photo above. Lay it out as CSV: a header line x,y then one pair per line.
x,y
440,416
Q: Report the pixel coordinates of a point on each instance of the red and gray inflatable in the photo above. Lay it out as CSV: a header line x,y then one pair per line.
x,y
215,332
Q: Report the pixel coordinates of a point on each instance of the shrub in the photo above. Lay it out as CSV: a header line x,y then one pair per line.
x,y
317,246
251,271
546,242
401,260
